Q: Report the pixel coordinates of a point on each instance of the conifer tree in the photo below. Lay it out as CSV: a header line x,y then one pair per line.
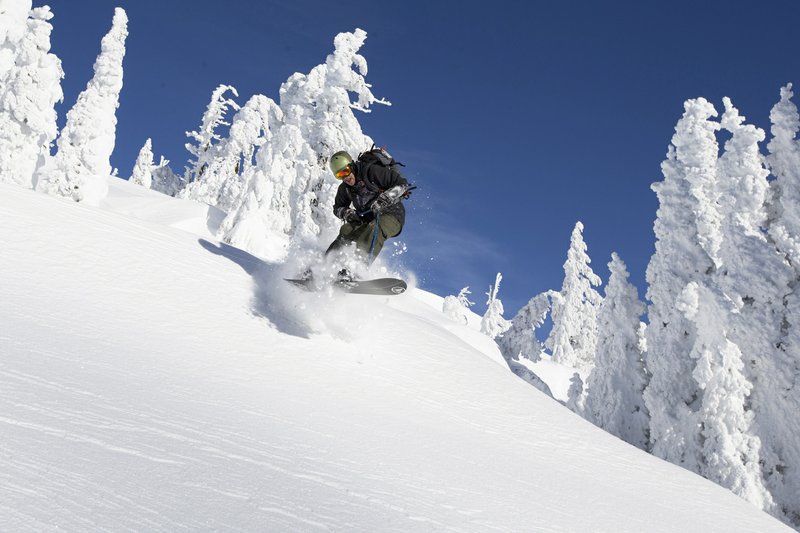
x,y
493,324
614,398
30,86
729,453
784,162
252,126
258,208
574,335
287,200
82,163
143,168
576,395
457,307
776,402
165,180
319,105
208,168
687,250
520,340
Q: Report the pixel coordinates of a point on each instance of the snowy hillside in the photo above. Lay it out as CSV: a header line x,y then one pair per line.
x,y
152,379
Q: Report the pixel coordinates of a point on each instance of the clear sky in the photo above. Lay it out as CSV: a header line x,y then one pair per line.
x,y
515,118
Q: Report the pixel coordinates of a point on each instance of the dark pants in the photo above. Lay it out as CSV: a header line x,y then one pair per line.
x,y
364,234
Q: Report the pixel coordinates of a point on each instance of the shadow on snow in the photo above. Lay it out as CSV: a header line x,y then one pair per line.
x,y
271,295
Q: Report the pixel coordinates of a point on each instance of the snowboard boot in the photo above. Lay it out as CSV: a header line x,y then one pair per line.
x,y
344,275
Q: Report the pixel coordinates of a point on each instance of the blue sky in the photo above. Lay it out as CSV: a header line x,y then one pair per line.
x,y
515,119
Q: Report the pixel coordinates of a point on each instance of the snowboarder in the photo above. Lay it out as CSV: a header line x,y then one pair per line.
x,y
368,202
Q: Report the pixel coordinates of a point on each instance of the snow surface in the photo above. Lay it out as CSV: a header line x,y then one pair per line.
x,y
153,379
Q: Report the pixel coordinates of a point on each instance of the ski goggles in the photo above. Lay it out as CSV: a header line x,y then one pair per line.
x,y
342,174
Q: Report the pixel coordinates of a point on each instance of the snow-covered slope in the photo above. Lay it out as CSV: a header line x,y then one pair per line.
x,y
155,380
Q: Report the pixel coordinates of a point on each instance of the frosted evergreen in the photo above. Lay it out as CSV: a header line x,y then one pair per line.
x,y
288,197
728,452
493,324
576,395
574,335
614,398
80,167
722,309
457,307
784,162
30,86
685,252
520,340
143,168
777,401
211,164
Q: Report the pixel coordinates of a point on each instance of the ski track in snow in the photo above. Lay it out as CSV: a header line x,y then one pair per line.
x,y
151,380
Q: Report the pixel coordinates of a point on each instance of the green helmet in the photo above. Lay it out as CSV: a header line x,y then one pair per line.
x,y
339,160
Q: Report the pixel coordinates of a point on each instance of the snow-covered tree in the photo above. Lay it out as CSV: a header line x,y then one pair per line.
x,y
143,168
776,402
259,216
165,180
687,250
614,399
574,335
729,453
784,162
319,105
30,86
576,395
520,339
253,125
211,164
456,307
493,324
289,195
82,163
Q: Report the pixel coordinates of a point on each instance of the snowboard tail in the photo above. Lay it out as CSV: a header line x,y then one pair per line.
x,y
379,286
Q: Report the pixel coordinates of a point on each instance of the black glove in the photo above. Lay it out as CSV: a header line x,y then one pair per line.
x,y
351,217
380,202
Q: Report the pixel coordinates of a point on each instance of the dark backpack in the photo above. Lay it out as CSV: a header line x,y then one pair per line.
x,y
379,156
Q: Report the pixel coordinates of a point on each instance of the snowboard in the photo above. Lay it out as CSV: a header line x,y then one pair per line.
x,y
379,286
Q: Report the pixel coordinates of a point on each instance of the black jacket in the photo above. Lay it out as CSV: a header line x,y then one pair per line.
x,y
371,181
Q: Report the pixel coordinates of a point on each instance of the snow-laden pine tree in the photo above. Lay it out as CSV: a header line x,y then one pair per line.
x,y
520,341
456,307
253,125
82,163
290,195
229,165
576,395
614,398
777,403
729,453
493,324
319,105
574,335
30,86
211,165
165,180
687,250
784,162
257,219
143,168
